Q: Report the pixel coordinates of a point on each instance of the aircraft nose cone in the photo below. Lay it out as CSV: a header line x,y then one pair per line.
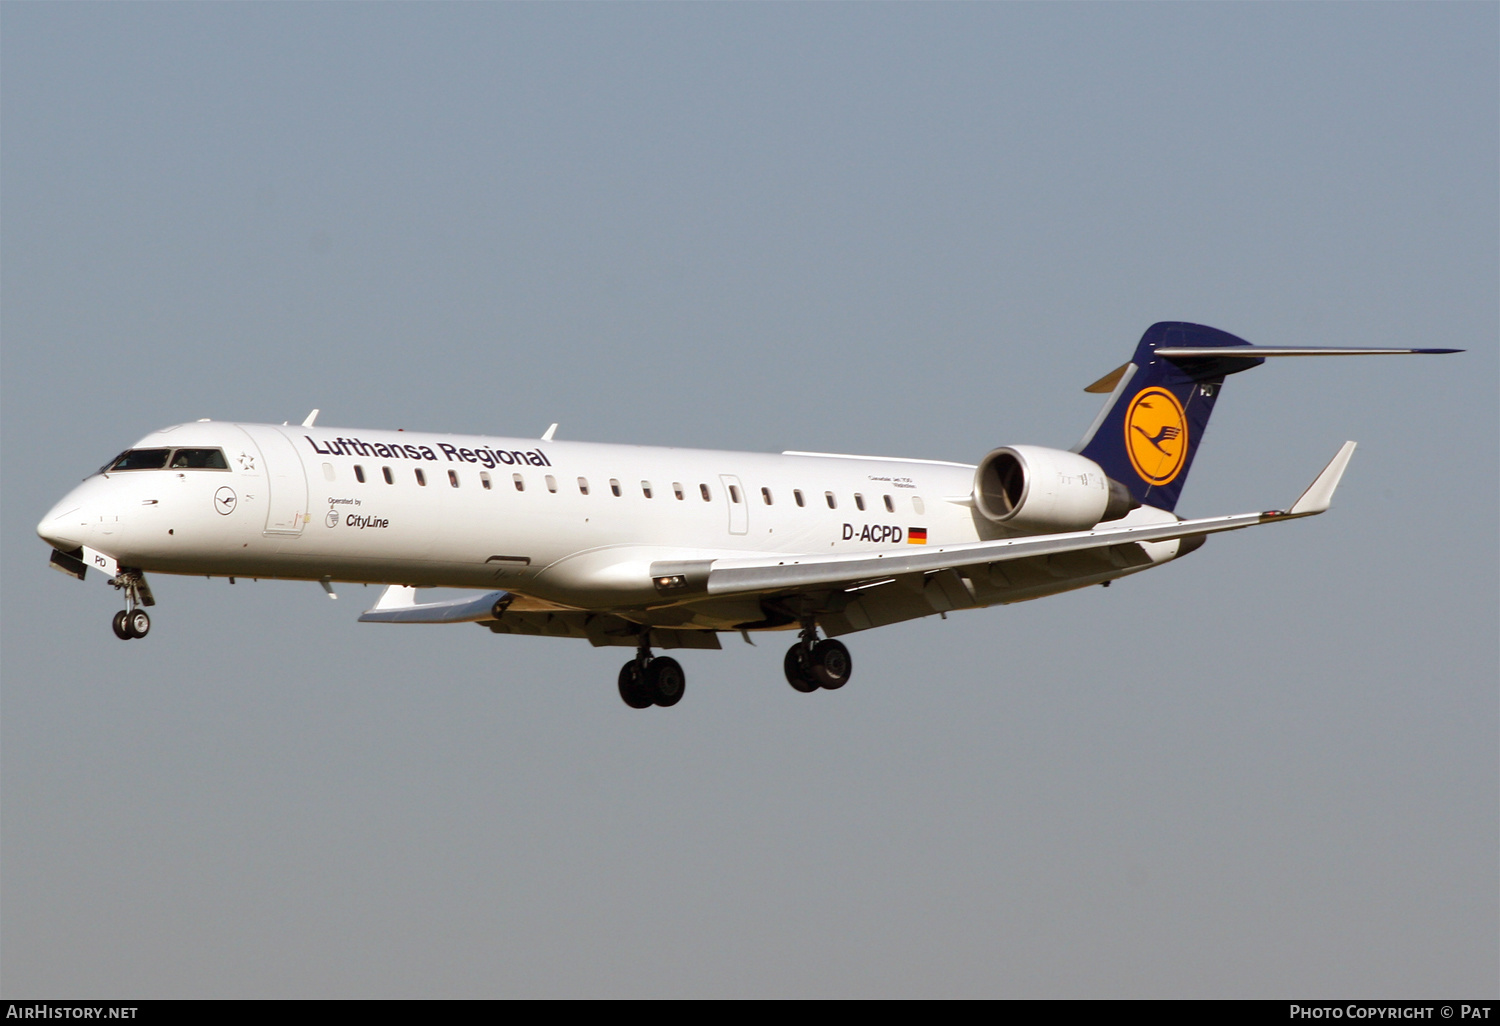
x,y
64,527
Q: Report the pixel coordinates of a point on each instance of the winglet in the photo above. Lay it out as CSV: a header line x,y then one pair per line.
x,y
550,432
1319,494
310,418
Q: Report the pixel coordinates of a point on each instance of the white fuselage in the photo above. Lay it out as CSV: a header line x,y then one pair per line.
x,y
569,523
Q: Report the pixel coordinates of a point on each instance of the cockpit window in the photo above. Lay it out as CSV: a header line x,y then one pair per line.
x,y
156,459
139,459
199,459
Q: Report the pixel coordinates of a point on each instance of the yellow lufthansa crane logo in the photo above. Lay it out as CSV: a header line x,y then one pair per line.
x,y
1156,435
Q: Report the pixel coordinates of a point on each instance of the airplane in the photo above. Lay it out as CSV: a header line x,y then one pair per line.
x,y
664,548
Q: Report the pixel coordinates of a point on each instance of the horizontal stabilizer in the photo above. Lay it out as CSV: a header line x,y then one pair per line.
x,y
1256,352
398,604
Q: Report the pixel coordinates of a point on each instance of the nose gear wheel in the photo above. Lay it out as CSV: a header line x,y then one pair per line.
x,y
132,621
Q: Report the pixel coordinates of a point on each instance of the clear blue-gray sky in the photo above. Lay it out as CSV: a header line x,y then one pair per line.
x,y
1267,770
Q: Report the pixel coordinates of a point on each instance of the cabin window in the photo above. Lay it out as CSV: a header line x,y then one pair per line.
x,y
359,473
832,502
453,478
703,491
199,459
551,484
614,487
734,494
646,489
520,482
859,502
328,474
797,496
421,477
484,479
916,504
677,488
583,486
765,494
385,472
890,504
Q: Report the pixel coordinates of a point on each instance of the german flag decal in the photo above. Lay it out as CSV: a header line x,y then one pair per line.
x,y
916,536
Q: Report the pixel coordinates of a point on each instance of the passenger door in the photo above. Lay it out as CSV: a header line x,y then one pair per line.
x,y
286,506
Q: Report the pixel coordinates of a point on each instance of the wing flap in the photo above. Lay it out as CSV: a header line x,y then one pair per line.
x,y
599,629
796,574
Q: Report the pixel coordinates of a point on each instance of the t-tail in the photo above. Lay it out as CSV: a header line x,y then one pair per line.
x,y
1159,403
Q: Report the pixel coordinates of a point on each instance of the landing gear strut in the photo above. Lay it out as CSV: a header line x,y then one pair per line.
x,y
649,680
811,664
132,621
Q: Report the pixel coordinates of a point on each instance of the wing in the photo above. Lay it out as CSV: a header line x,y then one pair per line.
x,y
723,577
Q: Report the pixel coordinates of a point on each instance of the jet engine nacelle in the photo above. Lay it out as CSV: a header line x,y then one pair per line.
x,y
1032,490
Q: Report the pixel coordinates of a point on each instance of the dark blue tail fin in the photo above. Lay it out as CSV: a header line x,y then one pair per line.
x,y
1149,432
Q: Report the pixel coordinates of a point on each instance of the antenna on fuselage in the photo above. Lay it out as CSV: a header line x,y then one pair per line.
x,y
310,418
550,432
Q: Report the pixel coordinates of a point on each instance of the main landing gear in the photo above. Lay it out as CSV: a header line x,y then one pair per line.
x,y
649,680
132,621
811,664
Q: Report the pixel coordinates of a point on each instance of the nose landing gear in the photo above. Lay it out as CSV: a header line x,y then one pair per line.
x,y
651,680
132,621
131,624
